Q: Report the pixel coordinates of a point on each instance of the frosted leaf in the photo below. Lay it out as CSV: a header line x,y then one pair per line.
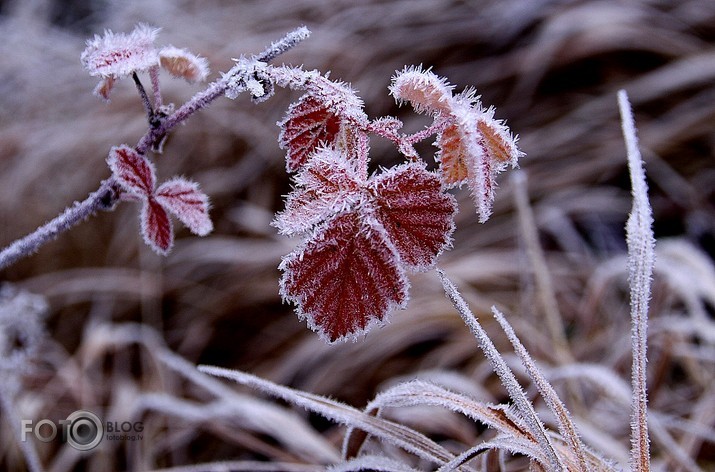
x,y
104,88
424,90
345,278
349,274
136,175
473,149
325,186
452,157
187,202
133,171
496,139
309,123
156,227
184,64
417,216
119,55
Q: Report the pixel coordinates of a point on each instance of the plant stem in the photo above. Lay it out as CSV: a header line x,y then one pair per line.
x,y
108,192
102,198
641,257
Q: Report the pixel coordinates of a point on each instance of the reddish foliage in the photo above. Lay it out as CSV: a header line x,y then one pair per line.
x,y
308,124
345,278
349,274
416,214
178,196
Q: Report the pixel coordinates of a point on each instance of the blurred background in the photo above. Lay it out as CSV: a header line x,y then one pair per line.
x,y
551,68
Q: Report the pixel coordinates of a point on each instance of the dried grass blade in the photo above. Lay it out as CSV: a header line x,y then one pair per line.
x,y
371,463
401,436
501,442
563,418
536,427
641,257
419,392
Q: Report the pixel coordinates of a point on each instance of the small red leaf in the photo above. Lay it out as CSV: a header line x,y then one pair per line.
x,y
325,186
309,123
451,156
416,214
133,171
187,202
156,227
345,278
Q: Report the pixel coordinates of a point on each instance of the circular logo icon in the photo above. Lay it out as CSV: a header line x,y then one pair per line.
x,y
85,430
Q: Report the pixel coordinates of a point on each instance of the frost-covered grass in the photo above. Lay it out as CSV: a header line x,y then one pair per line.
x,y
126,328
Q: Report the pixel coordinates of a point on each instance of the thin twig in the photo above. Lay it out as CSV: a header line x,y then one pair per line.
x,y
108,192
102,198
144,97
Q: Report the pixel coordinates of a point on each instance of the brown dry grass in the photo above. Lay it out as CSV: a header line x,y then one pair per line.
x,y
552,68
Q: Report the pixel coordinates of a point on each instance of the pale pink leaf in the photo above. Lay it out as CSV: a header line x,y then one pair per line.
x,y
325,186
423,89
119,55
156,227
134,172
308,124
184,64
345,278
186,201
414,211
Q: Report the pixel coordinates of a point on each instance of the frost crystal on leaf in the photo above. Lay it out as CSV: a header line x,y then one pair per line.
x,y
349,274
183,64
417,216
473,146
156,226
187,202
177,196
345,278
309,123
424,90
118,55
326,186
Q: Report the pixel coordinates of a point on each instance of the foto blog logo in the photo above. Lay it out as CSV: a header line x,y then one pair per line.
x,y
82,429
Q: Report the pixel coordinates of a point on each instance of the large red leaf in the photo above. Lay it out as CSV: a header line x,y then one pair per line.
x,y
156,227
414,211
309,123
327,185
345,278
187,202
133,171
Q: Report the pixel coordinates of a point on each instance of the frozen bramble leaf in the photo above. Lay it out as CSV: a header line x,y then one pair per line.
x,y
451,156
156,227
424,90
118,55
344,279
416,214
309,123
497,140
183,64
473,149
187,202
133,171
104,88
325,186
364,231
182,198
